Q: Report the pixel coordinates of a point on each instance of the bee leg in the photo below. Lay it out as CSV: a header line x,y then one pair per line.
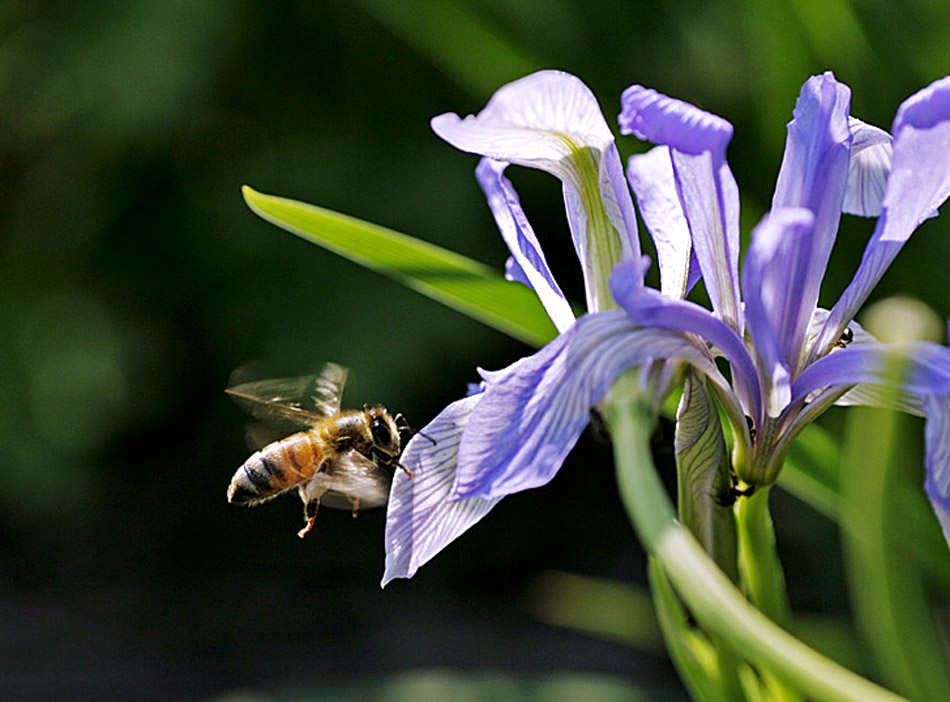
x,y
390,461
356,506
309,515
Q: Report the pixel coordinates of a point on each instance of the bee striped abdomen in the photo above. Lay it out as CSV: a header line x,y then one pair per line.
x,y
275,468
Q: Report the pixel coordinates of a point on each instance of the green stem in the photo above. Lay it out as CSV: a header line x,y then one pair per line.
x,y
715,602
759,565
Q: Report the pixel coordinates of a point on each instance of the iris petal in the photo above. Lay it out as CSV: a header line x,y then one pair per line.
x,y
650,308
518,234
937,459
814,175
536,121
533,412
871,153
550,120
918,184
651,177
421,520
775,280
927,371
705,185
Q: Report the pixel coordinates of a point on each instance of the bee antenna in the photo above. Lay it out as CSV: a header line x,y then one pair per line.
x,y
403,425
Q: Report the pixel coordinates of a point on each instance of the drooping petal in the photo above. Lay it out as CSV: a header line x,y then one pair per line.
x,y
937,458
775,280
653,309
537,121
551,120
518,234
869,395
652,180
871,153
705,185
421,520
533,412
918,184
927,369
814,175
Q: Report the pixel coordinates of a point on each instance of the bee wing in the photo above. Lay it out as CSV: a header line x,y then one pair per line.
x,y
353,476
290,404
257,435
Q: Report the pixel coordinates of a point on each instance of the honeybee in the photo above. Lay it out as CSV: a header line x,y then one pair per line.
x,y
341,459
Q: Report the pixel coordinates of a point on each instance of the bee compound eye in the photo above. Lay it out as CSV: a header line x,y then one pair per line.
x,y
381,434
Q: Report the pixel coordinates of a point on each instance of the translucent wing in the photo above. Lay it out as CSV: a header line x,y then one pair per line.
x,y
352,477
291,404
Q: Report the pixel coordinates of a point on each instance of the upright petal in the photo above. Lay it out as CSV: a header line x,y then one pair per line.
x,y
651,177
918,184
421,520
550,120
533,412
871,153
814,175
707,191
775,280
518,234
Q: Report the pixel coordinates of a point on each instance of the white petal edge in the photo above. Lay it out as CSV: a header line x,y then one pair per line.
x,y
420,519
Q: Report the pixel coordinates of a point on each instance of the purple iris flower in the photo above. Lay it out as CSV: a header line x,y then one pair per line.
x,y
789,360
550,121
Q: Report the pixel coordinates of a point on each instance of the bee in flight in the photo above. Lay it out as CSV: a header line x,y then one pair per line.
x,y
341,459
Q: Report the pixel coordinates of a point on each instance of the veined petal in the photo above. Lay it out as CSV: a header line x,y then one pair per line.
x,y
551,120
617,201
862,394
421,520
927,371
705,185
518,234
533,412
653,309
937,458
814,175
775,280
651,177
871,153
918,184
536,121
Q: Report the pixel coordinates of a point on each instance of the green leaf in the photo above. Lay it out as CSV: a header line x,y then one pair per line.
x,y
467,286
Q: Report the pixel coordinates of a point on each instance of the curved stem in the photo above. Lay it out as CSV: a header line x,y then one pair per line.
x,y
710,596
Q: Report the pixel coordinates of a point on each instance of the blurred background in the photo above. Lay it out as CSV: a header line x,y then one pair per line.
x,y
133,280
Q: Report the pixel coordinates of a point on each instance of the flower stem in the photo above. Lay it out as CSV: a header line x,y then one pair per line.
x,y
713,600
759,565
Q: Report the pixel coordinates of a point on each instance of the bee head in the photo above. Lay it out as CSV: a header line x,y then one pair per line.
x,y
383,428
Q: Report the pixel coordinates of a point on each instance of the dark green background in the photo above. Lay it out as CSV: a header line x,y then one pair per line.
x,y
133,280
